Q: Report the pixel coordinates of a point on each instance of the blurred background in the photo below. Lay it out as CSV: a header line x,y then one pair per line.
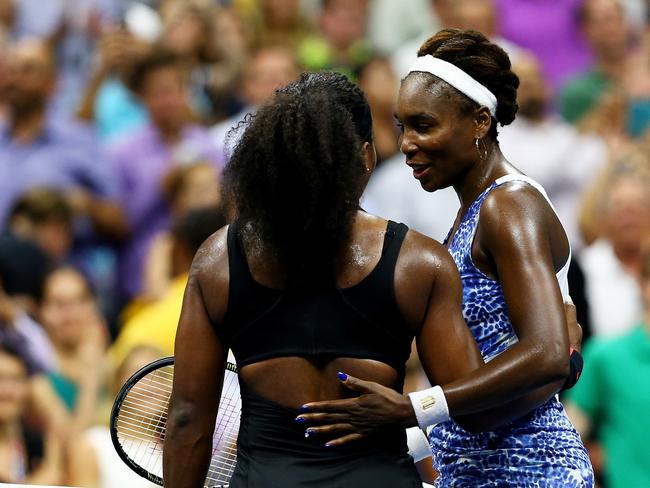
x,y
114,129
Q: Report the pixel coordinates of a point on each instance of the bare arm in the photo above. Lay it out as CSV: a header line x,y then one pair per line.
x,y
520,379
515,238
198,376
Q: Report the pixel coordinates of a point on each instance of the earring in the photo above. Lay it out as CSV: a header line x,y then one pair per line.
x,y
481,154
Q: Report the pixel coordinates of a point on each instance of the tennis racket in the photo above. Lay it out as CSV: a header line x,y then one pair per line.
x,y
139,419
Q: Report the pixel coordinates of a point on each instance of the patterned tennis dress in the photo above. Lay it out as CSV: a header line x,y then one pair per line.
x,y
541,449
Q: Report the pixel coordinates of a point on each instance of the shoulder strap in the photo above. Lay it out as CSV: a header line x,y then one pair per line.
x,y
236,258
530,181
395,234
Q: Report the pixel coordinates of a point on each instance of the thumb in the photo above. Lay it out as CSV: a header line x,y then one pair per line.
x,y
355,384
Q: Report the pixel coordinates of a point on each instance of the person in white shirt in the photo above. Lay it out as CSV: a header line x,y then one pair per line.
x,y
567,165
612,264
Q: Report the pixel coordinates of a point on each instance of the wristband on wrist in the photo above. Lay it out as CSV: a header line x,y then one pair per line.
x,y
418,444
575,365
430,406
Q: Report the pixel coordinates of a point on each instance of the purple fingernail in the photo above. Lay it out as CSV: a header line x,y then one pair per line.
x,y
342,376
328,445
308,433
304,408
300,419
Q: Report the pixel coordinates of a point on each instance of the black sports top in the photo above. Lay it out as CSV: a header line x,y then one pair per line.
x,y
362,321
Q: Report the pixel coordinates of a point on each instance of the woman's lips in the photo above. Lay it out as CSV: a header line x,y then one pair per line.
x,y
419,170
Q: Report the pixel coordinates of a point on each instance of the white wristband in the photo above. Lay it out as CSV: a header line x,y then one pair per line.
x,y
418,444
430,406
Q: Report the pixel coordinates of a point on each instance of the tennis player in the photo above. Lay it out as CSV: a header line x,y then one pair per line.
x,y
513,256
303,284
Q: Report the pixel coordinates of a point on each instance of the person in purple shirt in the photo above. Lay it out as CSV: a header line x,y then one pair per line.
x,y
40,150
145,158
548,28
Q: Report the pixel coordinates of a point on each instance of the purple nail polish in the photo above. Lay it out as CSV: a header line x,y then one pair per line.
x,y
299,419
308,433
304,408
342,376
328,445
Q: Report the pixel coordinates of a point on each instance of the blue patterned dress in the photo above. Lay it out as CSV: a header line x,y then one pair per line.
x,y
541,449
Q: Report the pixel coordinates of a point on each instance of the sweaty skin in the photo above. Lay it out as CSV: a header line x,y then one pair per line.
x,y
429,294
519,241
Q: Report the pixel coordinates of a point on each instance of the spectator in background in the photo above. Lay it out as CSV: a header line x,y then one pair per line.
x,y
549,29
564,168
378,82
605,82
481,15
188,33
391,24
340,44
612,399
106,101
477,15
23,266
19,331
37,149
44,216
279,23
143,159
233,39
612,264
192,187
269,68
187,188
30,454
69,315
93,461
155,324
71,28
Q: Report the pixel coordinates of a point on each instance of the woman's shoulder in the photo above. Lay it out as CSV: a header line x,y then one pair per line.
x,y
517,218
424,259
210,262
513,203
418,253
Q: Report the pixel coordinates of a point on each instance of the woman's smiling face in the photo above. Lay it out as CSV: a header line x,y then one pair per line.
x,y
437,131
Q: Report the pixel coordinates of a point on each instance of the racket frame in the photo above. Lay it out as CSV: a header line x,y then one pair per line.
x,y
117,405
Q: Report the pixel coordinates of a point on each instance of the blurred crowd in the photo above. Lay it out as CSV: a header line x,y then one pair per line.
x,y
116,120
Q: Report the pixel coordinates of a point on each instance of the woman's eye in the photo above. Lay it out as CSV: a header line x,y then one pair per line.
x,y
400,126
422,127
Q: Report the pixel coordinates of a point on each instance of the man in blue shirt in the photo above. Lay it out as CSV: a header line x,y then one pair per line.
x,y
38,150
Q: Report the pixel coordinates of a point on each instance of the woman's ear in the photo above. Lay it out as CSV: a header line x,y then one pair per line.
x,y
369,156
483,121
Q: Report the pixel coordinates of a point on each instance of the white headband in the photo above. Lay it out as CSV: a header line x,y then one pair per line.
x,y
457,78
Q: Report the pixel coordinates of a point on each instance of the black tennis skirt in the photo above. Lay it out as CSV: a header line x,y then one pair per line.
x,y
272,451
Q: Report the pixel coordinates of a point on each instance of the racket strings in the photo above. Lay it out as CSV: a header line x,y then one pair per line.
x,y
224,442
142,418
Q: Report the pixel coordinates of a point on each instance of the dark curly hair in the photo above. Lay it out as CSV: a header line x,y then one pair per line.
x,y
295,176
484,61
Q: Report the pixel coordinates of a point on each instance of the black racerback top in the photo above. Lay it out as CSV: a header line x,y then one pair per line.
x,y
361,321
